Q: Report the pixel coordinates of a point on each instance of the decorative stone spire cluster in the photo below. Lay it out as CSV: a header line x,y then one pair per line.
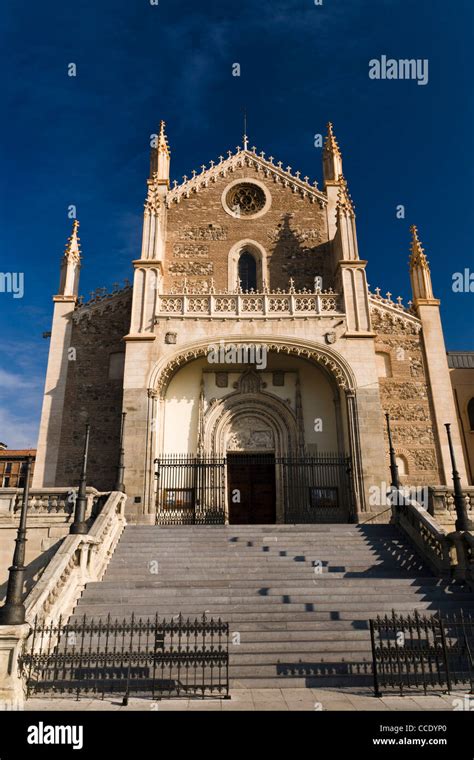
x,y
154,222
153,198
332,158
163,146
70,265
331,144
344,199
420,274
418,256
160,158
73,248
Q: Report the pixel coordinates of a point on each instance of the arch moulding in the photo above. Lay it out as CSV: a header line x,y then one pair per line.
x,y
325,356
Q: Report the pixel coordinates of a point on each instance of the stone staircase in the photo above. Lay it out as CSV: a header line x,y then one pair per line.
x,y
300,596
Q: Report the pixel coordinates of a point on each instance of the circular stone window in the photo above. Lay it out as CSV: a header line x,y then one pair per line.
x,y
246,199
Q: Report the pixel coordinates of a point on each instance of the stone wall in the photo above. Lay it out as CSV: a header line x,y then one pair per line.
x,y
463,388
200,234
92,395
405,396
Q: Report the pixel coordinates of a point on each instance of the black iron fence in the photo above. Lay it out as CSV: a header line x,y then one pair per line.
x,y
311,489
426,653
190,490
151,657
317,489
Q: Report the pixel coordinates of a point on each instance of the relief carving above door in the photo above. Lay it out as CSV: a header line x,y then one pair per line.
x,y
250,434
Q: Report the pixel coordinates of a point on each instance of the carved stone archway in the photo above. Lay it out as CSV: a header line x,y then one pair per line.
x,y
220,416
255,421
325,356
251,421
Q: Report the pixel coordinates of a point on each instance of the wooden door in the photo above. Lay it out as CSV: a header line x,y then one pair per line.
x,y
251,489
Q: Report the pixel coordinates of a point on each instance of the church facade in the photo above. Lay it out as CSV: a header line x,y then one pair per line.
x,y
246,373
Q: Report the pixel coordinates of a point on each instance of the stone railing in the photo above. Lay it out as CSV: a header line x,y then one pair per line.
x,y
441,504
464,543
48,501
249,305
469,558
432,542
79,560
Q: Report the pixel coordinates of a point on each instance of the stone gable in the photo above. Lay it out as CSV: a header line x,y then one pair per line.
x,y
200,234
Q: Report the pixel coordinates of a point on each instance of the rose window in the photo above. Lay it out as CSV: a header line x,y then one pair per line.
x,y
246,199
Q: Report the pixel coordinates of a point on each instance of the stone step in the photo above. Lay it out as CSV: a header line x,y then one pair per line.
x,y
296,652
326,584
297,627
269,575
268,563
310,666
287,528
223,610
257,551
260,640
154,596
342,681
260,619
267,543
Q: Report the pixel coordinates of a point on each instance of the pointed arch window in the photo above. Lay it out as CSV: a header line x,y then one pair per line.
x,y
247,272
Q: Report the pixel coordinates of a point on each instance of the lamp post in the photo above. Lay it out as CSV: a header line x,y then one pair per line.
x,y
462,520
119,484
79,526
393,459
13,611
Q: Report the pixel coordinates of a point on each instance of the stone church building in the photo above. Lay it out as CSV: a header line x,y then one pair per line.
x,y
247,372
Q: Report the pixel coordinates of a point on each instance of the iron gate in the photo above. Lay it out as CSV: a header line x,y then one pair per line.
x,y
151,657
421,652
191,490
317,489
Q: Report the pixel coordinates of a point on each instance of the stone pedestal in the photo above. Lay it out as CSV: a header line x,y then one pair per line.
x,y
11,684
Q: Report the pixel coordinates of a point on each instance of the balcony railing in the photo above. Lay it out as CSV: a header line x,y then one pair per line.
x,y
249,305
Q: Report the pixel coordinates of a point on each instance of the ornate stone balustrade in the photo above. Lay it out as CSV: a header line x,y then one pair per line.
x,y
469,558
249,305
441,504
432,542
79,560
48,502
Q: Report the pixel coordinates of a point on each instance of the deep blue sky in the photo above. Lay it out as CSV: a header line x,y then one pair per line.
x,y
85,140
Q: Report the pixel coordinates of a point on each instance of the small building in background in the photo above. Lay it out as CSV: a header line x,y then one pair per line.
x,y
13,466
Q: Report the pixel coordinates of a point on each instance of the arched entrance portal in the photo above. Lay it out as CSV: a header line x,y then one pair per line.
x,y
251,430
242,444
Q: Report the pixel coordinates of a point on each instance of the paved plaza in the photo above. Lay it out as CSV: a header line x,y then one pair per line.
x,y
305,699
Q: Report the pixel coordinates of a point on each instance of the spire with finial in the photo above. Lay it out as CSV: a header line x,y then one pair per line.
x,y
418,256
331,143
73,247
70,265
163,146
245,136
420,274
332,158
160,157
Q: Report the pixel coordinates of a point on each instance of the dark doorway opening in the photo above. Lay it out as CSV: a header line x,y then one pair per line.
x,y
251,489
